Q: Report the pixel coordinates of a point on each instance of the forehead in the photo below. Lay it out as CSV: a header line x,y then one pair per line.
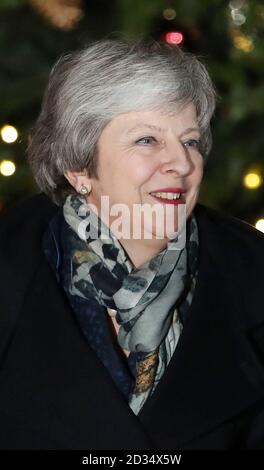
x,y
159,120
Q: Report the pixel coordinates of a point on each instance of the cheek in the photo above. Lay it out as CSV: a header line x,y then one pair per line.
x,y
127,173
198,174
131,176
141,172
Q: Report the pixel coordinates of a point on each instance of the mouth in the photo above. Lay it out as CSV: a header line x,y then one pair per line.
x,y
169,195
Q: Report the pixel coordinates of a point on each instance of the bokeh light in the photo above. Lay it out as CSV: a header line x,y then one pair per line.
x,y
169,14
62,14
174,37
238,17
252,180
242,42
260,225
9,134
236,4
7,168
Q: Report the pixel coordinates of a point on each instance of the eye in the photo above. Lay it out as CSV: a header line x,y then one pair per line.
x,y
148,140
192,143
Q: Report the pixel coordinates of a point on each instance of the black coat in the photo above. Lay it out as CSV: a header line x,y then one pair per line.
x,y
56,394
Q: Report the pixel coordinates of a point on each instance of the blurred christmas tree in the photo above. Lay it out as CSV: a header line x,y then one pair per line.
x,y
228,36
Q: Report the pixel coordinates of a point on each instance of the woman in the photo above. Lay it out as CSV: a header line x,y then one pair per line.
x,y
116,333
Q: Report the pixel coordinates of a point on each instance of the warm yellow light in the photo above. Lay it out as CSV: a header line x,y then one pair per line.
x,y
63,14
260,225
7,168
242,42
9,134
252,180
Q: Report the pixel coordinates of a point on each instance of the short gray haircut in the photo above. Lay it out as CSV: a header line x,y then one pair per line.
x,y
90,87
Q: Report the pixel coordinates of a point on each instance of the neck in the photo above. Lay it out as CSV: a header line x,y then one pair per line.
x,y
140,251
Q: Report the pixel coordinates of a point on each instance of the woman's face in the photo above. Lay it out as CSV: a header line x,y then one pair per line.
x,y
140,153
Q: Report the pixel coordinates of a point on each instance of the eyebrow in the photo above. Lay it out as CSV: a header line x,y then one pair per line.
x,y
157,128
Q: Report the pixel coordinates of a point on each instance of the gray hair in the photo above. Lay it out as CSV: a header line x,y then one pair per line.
x,y
90,87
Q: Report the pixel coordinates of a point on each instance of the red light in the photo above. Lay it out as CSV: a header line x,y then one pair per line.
x,y
174,37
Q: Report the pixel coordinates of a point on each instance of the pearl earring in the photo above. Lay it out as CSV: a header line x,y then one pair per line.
x,y
84,191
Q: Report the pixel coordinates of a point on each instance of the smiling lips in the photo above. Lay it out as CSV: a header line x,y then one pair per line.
x,y
169,195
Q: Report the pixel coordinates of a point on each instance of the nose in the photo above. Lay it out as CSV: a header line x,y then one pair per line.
x,y
177,159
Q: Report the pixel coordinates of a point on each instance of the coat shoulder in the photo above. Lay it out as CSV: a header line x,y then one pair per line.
x,y
21,254
21,230
234,250
31,212
230,230
22,225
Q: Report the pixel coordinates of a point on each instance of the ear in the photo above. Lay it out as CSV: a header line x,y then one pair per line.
x,y
77,178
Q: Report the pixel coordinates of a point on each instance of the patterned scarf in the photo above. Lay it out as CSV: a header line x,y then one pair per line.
x,y
147,299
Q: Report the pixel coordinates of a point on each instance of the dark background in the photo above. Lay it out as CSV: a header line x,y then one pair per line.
x,y
228,37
